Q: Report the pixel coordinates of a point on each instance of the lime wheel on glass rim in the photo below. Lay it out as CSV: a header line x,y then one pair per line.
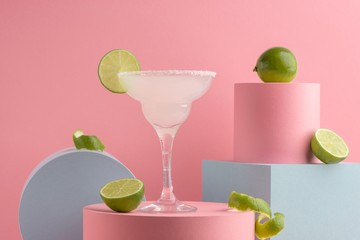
x,y
115,62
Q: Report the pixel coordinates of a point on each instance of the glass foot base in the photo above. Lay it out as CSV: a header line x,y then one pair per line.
x,y
168,207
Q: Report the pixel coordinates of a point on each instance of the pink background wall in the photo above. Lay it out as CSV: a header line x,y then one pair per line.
x,y
49,56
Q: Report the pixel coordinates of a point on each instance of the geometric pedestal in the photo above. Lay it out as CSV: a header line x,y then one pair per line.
x,y
274,122
212,221
319,201
57,190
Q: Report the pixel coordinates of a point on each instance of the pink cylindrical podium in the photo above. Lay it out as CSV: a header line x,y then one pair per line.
x,y
274,122
212,221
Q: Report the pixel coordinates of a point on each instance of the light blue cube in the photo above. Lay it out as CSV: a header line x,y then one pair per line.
x,y
320,202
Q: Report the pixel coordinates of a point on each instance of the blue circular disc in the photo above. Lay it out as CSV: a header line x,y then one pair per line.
x,y
55,193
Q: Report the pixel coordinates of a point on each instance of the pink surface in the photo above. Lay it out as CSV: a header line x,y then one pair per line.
x,y
49,85
274,122
212,221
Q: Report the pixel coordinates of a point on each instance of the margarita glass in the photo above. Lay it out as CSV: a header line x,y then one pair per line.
x,y
166,98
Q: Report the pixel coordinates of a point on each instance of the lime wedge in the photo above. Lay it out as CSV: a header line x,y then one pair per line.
x,y
88,142
243,202
113,63
123,195
269,228
328,147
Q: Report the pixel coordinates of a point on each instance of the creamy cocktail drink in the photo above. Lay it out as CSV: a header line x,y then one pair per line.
x,y
166,96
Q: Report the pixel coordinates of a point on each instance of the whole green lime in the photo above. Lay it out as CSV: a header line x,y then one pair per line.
x,y
276,64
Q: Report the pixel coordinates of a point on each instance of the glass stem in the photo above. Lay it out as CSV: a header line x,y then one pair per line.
x,y
166,136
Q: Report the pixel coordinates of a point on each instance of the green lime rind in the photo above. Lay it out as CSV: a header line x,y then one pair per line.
x,y
77,133
243,202
328,147
89,142
123,195
111,64
277,64
271,227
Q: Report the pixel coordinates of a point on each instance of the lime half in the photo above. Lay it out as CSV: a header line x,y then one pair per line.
x,y
113,63
88,142
123,195
328,147
243,202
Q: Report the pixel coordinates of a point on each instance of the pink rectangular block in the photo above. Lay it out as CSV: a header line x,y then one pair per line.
x,y
274,122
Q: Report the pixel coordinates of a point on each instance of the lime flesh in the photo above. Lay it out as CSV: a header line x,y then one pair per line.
x,y
276,64
123,195
113,63
329,147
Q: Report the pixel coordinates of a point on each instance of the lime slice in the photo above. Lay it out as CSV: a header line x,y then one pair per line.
x,y
88,142
276,64
113,63
328,147
123,195
269,228
243,202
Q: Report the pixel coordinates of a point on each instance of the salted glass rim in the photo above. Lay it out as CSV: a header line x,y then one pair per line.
x,y
168,73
